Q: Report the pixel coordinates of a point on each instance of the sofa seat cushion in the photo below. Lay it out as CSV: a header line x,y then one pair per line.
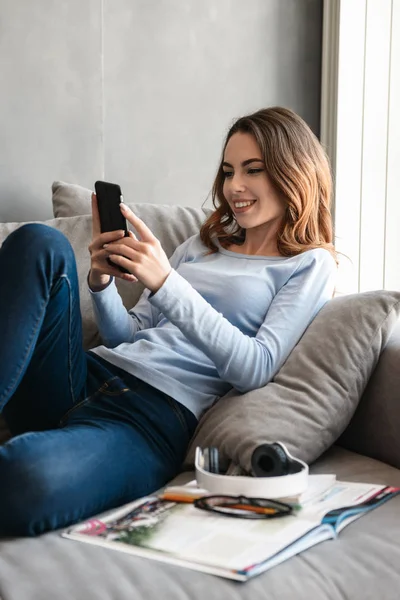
x,y
362,563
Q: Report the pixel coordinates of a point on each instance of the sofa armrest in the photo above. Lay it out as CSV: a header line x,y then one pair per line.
x,y
374,428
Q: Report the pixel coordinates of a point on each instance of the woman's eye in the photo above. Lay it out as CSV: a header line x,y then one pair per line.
x,y
229,174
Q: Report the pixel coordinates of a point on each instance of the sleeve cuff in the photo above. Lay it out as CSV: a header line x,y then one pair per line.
x,y
93,292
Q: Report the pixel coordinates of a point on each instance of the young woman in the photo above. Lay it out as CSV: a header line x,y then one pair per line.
x,y
97,429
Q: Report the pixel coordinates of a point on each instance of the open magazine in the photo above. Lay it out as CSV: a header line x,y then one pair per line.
x,y
180,534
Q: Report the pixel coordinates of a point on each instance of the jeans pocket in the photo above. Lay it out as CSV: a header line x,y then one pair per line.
x,y
112,387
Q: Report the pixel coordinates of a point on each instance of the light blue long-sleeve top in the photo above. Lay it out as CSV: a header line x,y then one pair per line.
x,y
219,321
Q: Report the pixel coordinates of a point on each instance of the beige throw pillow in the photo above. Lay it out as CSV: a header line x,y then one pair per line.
x,y
374,429
316,392
70,200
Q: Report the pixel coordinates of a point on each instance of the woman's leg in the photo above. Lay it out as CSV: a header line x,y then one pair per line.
x,y
119,444
42,362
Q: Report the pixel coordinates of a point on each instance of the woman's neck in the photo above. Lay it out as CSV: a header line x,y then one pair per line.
x,y
258,244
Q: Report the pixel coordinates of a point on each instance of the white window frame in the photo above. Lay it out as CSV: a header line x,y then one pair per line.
x,y
360,129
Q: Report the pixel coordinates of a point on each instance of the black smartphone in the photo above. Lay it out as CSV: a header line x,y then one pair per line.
x,y
109,198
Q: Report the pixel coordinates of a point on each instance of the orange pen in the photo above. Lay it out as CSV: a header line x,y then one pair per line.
x,y
174,497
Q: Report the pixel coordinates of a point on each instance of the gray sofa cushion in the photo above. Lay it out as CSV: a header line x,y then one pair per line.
x,y
316,392
374,429
70,200
362,564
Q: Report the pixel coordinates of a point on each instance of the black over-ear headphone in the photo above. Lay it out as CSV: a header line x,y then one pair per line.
x,y
272,460
267,460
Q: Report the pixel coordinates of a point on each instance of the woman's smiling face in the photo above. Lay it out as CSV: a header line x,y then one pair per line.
x,y
253,199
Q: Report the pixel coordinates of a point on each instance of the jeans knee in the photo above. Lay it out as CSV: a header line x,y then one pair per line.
x,y
37,237
37,242
38,234
26,490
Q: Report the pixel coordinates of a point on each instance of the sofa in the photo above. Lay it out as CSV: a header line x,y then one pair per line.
x,y
335,403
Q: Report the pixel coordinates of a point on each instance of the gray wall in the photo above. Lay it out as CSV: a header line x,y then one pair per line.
x,y
141,92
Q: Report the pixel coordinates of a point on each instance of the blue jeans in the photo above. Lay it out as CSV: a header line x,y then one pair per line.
x,y
87,435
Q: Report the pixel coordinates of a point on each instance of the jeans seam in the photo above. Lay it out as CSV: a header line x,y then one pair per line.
x,y
175,408
71,387
12,384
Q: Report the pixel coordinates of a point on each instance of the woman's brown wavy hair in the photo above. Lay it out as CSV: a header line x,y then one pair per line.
x,y
299,169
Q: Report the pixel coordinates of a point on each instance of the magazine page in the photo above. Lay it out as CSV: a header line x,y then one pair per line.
x,y
228,546
344,515
342,494
181,531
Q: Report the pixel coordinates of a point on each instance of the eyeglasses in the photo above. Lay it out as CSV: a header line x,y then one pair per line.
x,y
243,507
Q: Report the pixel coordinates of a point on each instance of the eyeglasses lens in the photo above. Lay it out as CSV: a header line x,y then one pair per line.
x,y
241,506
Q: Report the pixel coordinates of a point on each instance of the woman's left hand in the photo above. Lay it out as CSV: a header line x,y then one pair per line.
x,y
144,258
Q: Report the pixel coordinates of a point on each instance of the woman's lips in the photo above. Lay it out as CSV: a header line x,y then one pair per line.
x,y
243,209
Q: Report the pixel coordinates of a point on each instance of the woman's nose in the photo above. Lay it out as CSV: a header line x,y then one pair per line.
x,y
237,183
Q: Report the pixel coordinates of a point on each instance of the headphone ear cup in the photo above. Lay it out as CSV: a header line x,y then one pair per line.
x,y
213,460
270,460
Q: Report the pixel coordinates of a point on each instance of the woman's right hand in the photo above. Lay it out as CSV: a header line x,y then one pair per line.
x,y
100,270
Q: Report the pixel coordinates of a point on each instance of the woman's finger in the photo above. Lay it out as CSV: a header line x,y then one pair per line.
x,y
105,238
146,235
128,277
121,261
122,249
101,264
110,236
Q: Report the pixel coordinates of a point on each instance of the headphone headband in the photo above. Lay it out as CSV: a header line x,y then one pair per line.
x,y
278,474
